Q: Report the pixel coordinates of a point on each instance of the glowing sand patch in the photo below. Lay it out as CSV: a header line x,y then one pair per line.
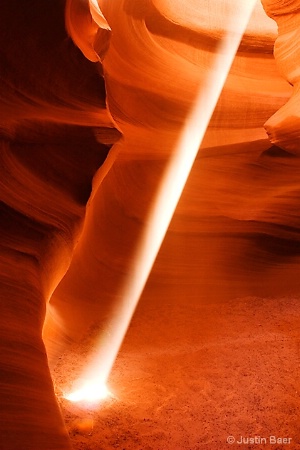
x,y
168,195
91,392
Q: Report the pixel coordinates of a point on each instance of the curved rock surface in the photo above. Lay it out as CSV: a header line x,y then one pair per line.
x,y
75,196
51,98
283,127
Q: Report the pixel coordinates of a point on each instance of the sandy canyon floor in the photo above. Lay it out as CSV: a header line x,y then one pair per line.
x,y
192,376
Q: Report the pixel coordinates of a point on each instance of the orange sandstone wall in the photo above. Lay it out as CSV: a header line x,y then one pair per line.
x,y
51,98
159,54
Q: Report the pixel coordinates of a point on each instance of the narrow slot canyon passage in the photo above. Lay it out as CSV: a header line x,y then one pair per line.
x,y
94,96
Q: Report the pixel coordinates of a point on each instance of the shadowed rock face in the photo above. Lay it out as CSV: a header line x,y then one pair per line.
x,y
51,98
236,228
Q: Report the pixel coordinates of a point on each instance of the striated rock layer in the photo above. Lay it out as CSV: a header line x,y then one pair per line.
x,y
283,127
235,229
158,56
51,98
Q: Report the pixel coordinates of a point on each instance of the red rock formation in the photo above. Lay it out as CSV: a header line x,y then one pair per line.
x,y
283,127
51,97
149,104
239,205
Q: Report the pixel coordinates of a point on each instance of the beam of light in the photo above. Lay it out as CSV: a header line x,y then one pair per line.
x,y
90,391
168,195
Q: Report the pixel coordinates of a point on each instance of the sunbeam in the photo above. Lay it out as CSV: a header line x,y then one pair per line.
x,y
168,195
